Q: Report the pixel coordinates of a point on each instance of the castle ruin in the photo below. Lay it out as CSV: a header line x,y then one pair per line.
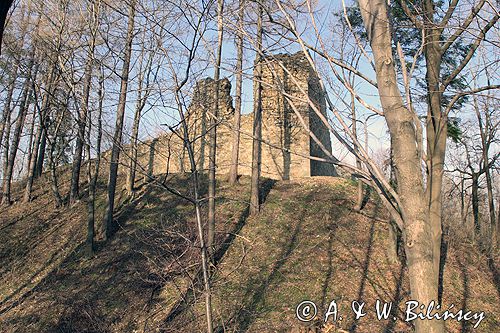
x,y
286,93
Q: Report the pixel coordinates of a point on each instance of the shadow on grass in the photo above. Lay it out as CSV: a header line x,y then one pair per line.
x,y
366,266
188,298
89,295
255,293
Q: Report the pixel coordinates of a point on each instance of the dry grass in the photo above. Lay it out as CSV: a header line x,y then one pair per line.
x,y
307,243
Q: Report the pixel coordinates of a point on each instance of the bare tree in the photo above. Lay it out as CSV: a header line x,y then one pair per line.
x,y
416,207
233,172
120,114
83,112
143,92
487,132
257,119
23,110
212,183
92,177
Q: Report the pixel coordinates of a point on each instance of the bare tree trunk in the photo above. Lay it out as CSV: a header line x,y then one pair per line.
x,y
233,172
203,141
120,114
42,142
133,143
463,215
54,184
436,132
475,206
30,140
484,131
6,115
34,163
41,149
393,247
199,222
23,110
213,133
419,246
491,207
82,119
92,178
498,224
359,197
6,146
53,162
142,97
257,121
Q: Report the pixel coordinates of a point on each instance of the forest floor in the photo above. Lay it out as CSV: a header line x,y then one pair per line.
x,y
306,244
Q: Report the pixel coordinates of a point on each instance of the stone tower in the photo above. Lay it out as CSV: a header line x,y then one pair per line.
x,y
200,110
285,93
286,145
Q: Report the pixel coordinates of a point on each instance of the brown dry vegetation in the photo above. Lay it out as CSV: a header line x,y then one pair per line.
x,y
307,243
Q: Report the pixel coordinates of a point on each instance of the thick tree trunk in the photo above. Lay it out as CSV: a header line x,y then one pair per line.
x,y
213,134
419,243
257,121
233,171
436,132
120,114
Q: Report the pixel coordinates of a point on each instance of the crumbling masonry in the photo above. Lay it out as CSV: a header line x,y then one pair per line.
x,y
289,86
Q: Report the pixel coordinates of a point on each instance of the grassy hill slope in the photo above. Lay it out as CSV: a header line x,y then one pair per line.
x,y
307,243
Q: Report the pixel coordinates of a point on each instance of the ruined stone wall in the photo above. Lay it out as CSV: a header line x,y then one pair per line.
x,y
290,86
282,128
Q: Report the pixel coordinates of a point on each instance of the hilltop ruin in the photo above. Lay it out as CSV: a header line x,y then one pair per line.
x,y
290,86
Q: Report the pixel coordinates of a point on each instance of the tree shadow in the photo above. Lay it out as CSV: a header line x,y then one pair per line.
x,y
88,295
329,270
366,196
29,286
397,298
366,266
188,298
255,293
465,324
496,275
442,261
